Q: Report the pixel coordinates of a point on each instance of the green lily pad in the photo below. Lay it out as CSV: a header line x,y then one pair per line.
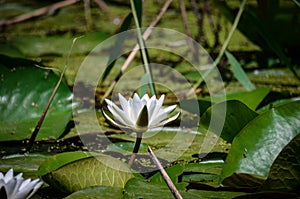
x,y
126,146
55,162
25,90
277,103
140,188
257,145
237,116
190,106
250,98
285,172
206,172
26,164
79,170
97,192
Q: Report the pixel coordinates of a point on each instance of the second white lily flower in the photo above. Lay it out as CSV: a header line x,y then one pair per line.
x,y
140,114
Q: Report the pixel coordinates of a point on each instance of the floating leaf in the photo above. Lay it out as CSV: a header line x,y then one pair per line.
x,y
250,98
255,148
98,170
139,188
24,92
206,172
244,180
27,164
285,172
97,192
237,116
277,103
195,106
55,162
126,146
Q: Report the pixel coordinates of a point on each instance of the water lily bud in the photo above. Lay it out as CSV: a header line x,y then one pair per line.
x,y
142,121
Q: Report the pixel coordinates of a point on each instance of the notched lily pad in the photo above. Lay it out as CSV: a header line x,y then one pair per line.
x,y
257,145
285,172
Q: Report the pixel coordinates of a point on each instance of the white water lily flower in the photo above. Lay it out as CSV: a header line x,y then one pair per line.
x,y
15,187
140,114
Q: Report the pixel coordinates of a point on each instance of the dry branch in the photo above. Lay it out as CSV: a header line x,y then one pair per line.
x,y
164,174
37,12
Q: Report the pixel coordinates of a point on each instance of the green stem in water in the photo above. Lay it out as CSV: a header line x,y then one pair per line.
x,y
136,148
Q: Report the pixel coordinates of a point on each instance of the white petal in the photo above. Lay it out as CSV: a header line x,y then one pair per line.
x,y
27,188
112,121
36,187
19,176
25,183
124,104
9,175
151,108
116,115
136,106
125,119
136,97
169,109
157,119
11,188
119,114
167,121
108,102
158,106
160,101
145,97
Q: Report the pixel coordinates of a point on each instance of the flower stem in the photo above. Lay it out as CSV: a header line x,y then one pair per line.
x,y
136,148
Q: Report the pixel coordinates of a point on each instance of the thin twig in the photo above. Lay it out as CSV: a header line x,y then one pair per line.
x,y
41,120
164,174
131,56
136,148
38,12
